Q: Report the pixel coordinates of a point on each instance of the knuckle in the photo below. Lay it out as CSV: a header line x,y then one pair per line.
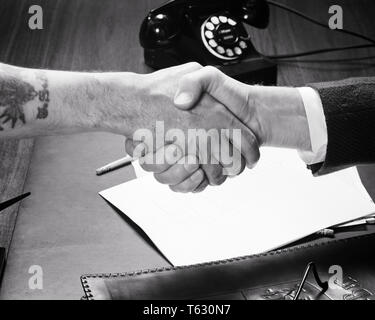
x,y
189,187
161,178
181,171
221,180
216,181
194,65
210,71
200,189
190,162
172,154
189,78
145,166
177,174
217,171
222,113
173,188
214,174
177,188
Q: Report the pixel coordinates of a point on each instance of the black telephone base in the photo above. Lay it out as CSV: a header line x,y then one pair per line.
x,y
254,70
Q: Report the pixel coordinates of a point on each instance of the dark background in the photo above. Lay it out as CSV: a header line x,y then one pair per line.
x,y
65,227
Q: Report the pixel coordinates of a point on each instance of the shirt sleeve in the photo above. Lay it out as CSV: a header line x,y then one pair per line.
x,y
317,126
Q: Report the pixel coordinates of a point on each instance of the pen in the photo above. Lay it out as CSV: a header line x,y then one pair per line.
x,y
369,219
115,165
326,233
10,202
330,232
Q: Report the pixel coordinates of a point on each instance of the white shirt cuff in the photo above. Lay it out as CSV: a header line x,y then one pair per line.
x,y
317,126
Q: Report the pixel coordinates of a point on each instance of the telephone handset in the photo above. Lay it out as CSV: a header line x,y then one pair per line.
x,y
210,32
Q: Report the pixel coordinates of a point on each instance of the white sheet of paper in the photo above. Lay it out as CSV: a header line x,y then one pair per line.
x,y
274,204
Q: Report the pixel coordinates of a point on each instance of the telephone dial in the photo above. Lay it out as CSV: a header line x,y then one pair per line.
x,y
210,32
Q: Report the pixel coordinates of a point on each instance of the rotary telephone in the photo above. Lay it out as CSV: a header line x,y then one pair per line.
x,y
210,32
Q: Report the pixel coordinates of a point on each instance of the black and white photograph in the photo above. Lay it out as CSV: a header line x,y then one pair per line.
x,y
184,155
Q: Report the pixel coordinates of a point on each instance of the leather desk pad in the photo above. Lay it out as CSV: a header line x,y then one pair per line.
x,y
270,276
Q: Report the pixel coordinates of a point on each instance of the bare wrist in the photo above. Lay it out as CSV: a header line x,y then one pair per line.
x,y
279,117
118,107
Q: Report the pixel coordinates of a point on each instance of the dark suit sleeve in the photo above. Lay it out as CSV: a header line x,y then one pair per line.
x,y
349,108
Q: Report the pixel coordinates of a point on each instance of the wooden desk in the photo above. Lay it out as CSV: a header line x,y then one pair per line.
x,y
65,227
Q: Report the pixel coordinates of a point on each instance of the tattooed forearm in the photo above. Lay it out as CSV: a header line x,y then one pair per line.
x,y
15,95
37,102
44,99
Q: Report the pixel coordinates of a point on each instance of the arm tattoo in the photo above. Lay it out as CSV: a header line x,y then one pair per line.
x,y
15,93
44,99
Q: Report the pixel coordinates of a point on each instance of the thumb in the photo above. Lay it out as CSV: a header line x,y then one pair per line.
x,y
194,84
233,94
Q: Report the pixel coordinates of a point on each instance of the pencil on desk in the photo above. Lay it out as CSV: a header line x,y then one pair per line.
x,y
115,165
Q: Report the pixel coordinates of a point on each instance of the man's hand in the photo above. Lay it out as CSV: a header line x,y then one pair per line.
x,y
275,115
183,174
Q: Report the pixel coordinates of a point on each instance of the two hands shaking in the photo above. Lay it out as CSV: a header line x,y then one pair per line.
x,y
231,121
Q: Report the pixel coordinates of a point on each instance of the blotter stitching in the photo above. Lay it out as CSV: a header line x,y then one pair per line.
x,y
89,295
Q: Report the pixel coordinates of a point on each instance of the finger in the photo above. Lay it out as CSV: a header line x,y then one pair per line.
x,y
136,149
245,141
230,158
243,166
214,174
211,164
190,184
162,159
239,161
204,184
179,172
